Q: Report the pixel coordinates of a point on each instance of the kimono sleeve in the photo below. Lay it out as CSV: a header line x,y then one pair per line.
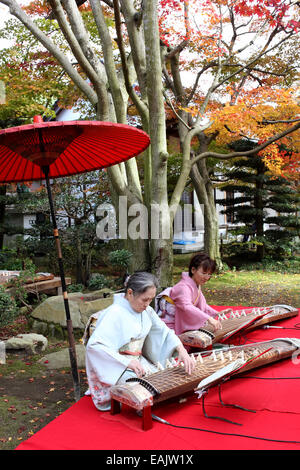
x,y
188,316
161,341
209,310
102,351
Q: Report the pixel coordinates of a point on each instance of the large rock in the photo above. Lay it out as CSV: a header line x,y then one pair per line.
x,y
61,359
49,318
30,342
52,310
87,308
2,353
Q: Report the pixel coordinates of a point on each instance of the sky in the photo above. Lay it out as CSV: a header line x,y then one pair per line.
x,y
4,13
4,16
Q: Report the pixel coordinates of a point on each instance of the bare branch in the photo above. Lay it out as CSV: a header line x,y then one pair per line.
x,y
129,88
177,49
247,66
114,83
186,41
248,153
266,121
170,104
233,132
206,67
58,13
82,37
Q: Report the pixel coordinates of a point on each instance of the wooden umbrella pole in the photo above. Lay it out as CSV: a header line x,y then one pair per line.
x,y
72,350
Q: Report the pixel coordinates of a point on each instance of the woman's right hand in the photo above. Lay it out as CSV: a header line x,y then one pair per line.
x,y
137,368
216,324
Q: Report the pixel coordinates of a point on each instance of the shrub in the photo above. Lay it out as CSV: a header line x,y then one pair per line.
x,y
291,266
75,288
98,281
18,284
9,260
120,259
8,308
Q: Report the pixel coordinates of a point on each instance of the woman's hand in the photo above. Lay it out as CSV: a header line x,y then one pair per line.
x,y
137,368
215,323
183,356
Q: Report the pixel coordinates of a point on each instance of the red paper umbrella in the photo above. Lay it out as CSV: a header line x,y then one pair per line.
x,y
45,150
68,148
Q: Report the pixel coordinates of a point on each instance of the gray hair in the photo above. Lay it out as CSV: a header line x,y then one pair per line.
x,y
140,281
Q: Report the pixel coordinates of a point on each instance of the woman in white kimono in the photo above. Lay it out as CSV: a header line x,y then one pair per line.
x,y
129,340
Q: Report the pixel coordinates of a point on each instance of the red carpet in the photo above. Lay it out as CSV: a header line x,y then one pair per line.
x,y
272,391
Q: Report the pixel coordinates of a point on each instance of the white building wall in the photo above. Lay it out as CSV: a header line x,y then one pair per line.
x,y
28,221
68,115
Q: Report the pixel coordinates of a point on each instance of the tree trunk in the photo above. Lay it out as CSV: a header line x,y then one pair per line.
x,y
132,226
87,268
79,273
260,251
205,194
161,251
2,214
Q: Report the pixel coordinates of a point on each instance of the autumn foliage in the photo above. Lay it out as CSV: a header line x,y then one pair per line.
x,y
241,54
243,42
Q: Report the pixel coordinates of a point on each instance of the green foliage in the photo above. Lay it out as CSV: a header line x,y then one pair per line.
x,y
120,259
291,265
9,260
281,244
26,275
8,308
236,249
279,247
260,193
174,170
98,281
34,80
75,288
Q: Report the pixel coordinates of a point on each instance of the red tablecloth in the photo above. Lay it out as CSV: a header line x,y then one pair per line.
x,y
272,392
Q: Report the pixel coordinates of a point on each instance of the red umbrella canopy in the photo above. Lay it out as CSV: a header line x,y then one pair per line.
x,y
67,147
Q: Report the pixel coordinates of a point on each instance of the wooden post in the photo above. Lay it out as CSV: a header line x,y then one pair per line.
x,y
147,418
115,407
72,349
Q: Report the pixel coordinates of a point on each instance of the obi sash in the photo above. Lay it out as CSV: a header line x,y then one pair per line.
x,y
168,299
171,301
133,348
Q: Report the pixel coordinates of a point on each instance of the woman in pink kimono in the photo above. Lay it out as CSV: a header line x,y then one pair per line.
x,y
130,340
191,310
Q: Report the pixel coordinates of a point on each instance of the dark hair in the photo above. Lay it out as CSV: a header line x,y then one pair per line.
x,y
204,261
140,281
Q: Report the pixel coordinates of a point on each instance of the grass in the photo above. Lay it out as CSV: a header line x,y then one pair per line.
x,y
17,365
253,289
251,278
257,287
31,396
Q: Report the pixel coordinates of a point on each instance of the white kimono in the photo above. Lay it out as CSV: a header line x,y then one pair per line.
x,y
118,326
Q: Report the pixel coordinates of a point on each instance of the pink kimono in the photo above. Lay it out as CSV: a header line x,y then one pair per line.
x,y
191,309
